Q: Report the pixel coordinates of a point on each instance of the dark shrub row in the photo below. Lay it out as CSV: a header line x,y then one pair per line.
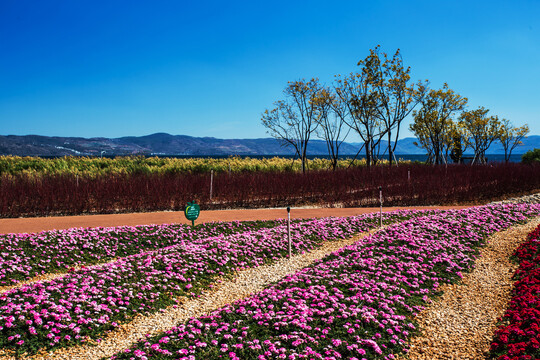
x,y
24,195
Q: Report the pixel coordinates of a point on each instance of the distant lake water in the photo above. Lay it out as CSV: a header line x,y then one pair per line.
x,y
416,157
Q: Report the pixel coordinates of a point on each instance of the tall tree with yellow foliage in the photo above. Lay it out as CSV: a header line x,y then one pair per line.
x,y
479,131
396,97
433,125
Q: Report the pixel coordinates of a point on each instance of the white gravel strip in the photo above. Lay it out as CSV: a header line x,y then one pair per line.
x,y
460,325
240,286
36,279
50,276
527,199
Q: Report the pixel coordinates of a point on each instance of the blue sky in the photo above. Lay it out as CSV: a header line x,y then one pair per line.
x,y
210,68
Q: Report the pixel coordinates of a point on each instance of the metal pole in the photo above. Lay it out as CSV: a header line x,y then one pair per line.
x,y
380,199
289,228
211,181
409,175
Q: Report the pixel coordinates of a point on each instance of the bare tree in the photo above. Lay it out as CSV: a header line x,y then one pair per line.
x,y
357,92
294,119
332,116
396,99
511,137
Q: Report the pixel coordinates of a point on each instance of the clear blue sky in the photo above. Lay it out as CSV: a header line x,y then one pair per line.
x,y
209,68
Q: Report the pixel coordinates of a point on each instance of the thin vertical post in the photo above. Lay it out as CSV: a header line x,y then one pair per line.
x,y
211,181
409,175
289,229
380,199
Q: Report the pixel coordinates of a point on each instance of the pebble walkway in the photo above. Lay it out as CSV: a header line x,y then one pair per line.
x,y
460,325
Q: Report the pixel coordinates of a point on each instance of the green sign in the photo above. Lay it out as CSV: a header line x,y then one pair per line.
x,y
192,211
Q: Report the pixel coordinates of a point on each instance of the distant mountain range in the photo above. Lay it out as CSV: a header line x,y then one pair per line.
x,y
162,144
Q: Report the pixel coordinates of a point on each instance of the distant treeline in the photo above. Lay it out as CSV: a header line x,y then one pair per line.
x,y
373,103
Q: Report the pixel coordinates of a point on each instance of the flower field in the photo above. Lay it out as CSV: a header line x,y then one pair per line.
x,y
28,255
518,337
86,303
356,303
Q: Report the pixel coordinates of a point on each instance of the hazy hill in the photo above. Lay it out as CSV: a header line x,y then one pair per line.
x,y
166,144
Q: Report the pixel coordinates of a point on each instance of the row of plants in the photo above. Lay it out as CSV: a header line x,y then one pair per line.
x,y
518,334
402,186
91,166
357,303
24,256
87,303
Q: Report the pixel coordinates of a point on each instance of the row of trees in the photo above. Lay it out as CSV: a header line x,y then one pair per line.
x,y
373,103
442,137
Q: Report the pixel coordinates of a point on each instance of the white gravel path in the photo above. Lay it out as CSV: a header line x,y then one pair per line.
x,y
460,325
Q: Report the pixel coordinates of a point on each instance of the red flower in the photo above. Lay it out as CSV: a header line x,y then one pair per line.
x,y
519,336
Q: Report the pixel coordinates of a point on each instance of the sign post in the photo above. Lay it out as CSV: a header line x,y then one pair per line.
x,y
192,212
289,228
380,199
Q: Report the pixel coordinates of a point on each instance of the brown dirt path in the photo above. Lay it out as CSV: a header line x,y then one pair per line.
x,y
32,225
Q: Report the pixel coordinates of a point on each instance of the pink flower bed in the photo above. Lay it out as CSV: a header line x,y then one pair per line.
x,y
23,256
356,303
87,303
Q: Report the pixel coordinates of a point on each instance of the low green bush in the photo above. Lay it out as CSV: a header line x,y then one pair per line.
x,y
531,156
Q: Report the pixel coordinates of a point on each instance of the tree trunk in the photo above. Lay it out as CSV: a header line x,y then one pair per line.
x,y
368,154
304,160
390,157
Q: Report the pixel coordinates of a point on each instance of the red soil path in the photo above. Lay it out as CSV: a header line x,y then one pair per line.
x,y
32,225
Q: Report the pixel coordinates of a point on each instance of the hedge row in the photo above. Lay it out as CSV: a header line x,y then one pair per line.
x,y
22,195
